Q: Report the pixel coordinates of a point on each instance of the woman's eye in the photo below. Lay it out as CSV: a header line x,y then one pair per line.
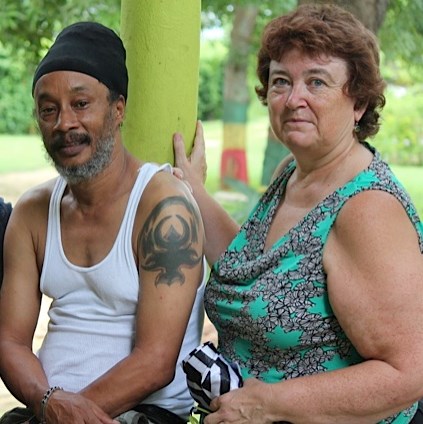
x,y
317,83
280,82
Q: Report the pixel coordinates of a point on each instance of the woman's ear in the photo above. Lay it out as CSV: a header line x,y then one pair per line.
x,y
359,110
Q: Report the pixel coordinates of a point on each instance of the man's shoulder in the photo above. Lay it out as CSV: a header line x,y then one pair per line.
x,y
36,197
164,183
165,192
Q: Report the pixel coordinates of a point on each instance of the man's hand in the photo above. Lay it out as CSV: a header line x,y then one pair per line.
x,y
67,407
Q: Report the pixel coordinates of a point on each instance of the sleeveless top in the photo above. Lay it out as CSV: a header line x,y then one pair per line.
x,y
271,308
92,314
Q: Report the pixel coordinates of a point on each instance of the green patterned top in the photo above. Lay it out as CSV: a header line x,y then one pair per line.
x,y
271,309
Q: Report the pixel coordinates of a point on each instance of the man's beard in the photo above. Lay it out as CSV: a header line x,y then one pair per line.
x,y
98,161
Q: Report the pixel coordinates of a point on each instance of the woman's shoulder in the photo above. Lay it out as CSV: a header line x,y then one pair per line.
x,y
282,166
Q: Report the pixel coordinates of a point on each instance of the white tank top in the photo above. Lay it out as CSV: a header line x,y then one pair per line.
x,y
92,314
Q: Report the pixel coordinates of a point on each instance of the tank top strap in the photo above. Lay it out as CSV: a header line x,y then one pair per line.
x,y
145,173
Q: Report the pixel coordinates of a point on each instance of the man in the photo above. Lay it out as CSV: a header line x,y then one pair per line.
x,y
115,242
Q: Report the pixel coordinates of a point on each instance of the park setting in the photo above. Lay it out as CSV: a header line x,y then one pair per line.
x,y
191,60
228,34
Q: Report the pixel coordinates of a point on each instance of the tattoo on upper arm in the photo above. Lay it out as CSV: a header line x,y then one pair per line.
x,y
167,240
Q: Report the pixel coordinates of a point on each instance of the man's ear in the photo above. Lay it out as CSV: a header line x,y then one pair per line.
x,y
120,109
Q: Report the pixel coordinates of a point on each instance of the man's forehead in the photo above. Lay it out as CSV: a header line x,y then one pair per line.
x,y
70,81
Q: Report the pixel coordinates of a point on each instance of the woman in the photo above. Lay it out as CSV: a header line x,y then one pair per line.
x,y
318,295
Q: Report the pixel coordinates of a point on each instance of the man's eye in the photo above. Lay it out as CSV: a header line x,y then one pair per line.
x,y
45,111
81,104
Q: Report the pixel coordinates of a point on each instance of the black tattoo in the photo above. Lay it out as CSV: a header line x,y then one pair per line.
x,y
167,238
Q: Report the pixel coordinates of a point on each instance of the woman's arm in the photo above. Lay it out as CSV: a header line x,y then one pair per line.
x,y
220,228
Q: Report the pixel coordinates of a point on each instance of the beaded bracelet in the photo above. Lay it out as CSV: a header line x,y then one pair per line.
x,y
44,401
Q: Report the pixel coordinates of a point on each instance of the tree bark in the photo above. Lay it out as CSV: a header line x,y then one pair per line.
x,y
236,95
162,40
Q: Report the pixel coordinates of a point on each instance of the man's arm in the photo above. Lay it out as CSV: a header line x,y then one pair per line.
x,y
19,308
169,249
20,302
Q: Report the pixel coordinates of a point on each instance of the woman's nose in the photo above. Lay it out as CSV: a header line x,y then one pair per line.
x,y
296,97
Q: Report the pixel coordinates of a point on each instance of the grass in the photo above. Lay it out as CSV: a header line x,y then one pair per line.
x,y
26,153
20,153
412,178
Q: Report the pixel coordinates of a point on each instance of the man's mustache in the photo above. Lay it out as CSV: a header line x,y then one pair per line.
x,y
61,140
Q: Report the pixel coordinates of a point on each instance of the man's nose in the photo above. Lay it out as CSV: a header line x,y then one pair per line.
x,y
66,119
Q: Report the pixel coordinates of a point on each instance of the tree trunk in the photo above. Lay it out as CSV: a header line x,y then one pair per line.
x,y
236,95
162,40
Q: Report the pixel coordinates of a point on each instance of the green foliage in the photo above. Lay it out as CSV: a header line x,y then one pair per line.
x,y
15,99
30,25
400,138
210,104
28,28
401,35
220,13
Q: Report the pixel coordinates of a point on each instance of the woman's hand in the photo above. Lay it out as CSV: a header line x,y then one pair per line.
x,y
194,167
242,406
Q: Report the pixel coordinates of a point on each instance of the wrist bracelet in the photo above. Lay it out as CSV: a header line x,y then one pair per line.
x,y
44,401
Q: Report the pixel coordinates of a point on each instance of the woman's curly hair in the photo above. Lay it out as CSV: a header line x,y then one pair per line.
x,y
333,31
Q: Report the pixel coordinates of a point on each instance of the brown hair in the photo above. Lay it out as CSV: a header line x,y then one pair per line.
x,y
330,30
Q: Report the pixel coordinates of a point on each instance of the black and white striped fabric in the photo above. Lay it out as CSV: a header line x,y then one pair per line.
x,y
209,374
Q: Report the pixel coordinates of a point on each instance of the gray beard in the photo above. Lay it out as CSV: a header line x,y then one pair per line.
x,y
88,170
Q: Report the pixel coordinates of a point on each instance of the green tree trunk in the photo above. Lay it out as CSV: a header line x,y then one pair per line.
x,y
162,40
236,95
274,153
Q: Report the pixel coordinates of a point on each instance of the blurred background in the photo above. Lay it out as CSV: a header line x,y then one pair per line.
x,y
241,151
229,42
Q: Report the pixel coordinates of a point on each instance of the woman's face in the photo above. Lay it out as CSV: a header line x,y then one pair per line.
x,y
308,108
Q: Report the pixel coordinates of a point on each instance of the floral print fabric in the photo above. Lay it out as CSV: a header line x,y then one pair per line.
x,y
271,308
